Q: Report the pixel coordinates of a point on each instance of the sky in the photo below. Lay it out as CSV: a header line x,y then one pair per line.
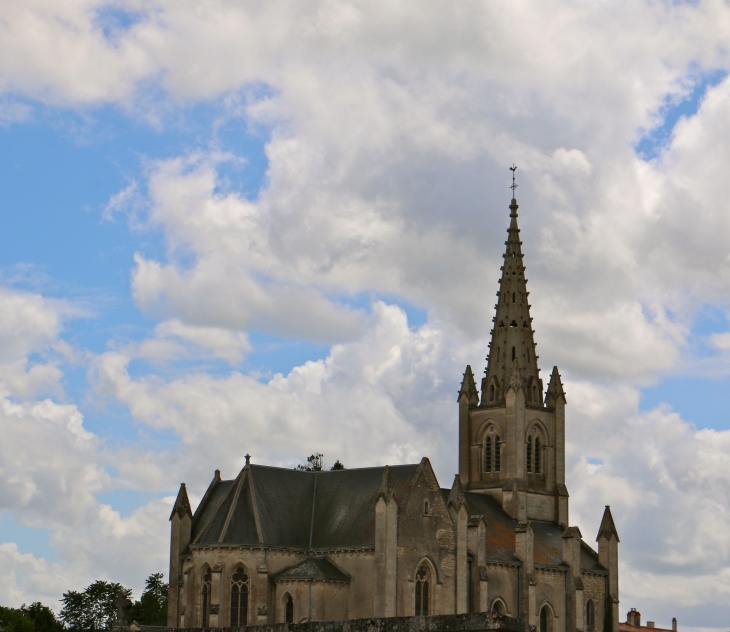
x,y
276,228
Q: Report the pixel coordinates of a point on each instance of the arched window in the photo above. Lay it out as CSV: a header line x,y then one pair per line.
x,y
590,615
491,392
497,455
529,454
513,353
498,607
288,609
488,455
425,508
205,599
513,297
537,455
423,577
535,398
239,598
546,620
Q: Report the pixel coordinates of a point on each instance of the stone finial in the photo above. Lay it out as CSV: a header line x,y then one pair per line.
x,y
555,389
515,378
387,486
182,504
469,388
456,495
607,530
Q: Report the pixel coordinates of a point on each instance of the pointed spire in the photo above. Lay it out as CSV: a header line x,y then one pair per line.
x,y
607,528
387,486
182,504
456,495
512,335
469,388
555,389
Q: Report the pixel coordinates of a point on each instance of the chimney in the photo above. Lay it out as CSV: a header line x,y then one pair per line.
x,y
674,624
633,618
649,624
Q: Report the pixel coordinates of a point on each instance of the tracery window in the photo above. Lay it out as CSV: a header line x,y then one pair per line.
x,y
497,454
537,455
423,577
239,598
590,615
288,609
529,454
205,599
488,455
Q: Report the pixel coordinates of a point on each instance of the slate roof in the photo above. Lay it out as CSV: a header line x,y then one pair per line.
x,y
321,568
500,535
274,506
336,510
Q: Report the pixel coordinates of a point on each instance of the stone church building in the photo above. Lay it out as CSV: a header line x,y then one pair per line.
x,y
277,545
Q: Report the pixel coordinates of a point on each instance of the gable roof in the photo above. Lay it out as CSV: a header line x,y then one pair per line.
x,y
294,508
321,568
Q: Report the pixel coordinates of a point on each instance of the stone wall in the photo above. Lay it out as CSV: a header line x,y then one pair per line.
x,y
438,623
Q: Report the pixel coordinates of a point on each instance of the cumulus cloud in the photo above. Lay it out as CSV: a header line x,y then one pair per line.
x,y
389,136
667,483
380,399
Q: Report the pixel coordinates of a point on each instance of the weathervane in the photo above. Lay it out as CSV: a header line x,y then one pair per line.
x,y
513,168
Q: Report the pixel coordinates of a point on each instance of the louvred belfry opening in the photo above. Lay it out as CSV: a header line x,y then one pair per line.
x,y
512,335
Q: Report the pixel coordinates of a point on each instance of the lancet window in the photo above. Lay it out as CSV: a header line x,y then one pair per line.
x,y
537,455
497,455
546,619
590,615
423,584
239,598
205,599
488,455
529,454
288,609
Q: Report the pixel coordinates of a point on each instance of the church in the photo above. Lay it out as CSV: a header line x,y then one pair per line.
x,y
276,545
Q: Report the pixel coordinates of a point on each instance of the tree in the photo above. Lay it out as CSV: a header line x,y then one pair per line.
x,y
151,609
315,463
33,618
92,609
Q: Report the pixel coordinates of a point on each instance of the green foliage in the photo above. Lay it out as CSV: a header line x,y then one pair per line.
x,y
92,609
151,609
315,463
33,618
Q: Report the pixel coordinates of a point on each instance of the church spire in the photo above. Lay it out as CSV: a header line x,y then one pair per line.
x,y
512,335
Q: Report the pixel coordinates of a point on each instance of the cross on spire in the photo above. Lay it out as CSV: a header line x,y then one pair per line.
x,y
513,168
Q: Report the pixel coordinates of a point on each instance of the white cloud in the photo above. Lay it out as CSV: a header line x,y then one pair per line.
x,y
390,127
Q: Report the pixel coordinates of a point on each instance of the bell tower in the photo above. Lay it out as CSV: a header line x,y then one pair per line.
x,y
512,432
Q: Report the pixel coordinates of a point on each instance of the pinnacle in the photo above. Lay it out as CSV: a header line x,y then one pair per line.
x,y
387,486
607,528
469,387
182,504
456,495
